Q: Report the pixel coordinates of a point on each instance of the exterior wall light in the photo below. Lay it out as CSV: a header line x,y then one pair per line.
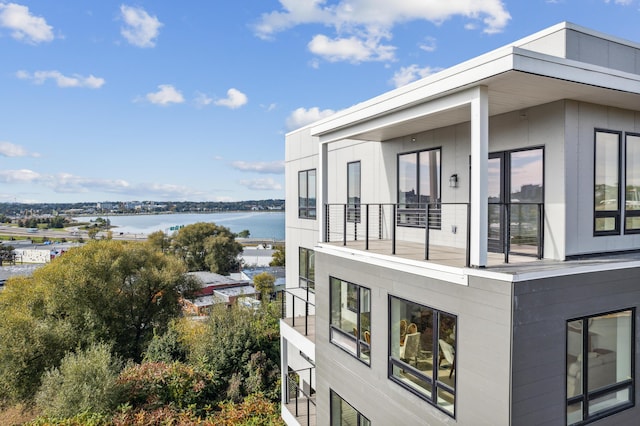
x,y
453,181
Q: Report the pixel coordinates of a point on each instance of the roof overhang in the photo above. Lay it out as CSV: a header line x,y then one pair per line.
x,y
516,79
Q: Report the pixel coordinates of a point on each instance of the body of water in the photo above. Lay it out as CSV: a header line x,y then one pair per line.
x,y
261,225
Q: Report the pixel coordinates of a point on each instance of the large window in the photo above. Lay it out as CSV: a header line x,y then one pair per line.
x,y
307,269
600,354
343,414
351,318
307,194
632,184
607,183
353,192
422,350
419,188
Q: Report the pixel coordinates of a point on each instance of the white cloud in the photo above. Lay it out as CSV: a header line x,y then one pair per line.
x,y
273,167
429,44
165,96
76,80
621,2
202,100
406,75
24,26
352,49
235,99
8,149
261,184
301,117
140,28
20,176
361,25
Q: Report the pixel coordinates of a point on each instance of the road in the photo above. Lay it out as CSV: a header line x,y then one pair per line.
x,y
71,233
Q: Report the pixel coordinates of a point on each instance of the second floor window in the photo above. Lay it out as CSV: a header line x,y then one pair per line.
x,y
353,192
351,318
307,194
607,183
307,269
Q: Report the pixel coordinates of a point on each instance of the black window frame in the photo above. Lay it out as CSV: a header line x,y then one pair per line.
x,y
353,208
361,345
585,396
628,212
306,277
412,215
616,215
306,202
359,416
435,384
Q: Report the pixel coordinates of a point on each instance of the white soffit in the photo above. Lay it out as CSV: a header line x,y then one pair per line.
x,y
516,79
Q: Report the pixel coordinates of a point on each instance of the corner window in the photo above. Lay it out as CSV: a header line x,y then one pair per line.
x,y
422,348
600,353
351,318
343,414
353,192
419,188
307,269
307,194
632,184
607,183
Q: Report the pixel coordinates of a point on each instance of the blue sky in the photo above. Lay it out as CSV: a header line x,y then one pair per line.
x,y
190,100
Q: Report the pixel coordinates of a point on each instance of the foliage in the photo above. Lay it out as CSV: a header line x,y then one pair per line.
x,y
105,291
244,233
159,240
82,419
207,246
264,282
152,385
165,347
85,382
242,347
278,257
255,410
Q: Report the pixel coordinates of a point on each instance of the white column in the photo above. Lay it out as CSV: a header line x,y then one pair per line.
x,y
321,193
479,176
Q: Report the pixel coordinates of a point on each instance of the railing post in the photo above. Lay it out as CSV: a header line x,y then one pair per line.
x,y
326,219
366,226
380,227
344,226
293,310
540,230
393,232
306,315
507,232
426,233
468,254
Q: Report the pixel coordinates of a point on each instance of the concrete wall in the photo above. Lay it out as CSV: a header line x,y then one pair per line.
x,y
541,311
483,309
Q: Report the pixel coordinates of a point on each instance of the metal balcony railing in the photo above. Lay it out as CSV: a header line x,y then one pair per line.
x,y
433,225
304,404
294,299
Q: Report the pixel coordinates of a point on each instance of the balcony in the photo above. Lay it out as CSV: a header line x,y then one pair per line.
x,y
301,399
298,312
437,232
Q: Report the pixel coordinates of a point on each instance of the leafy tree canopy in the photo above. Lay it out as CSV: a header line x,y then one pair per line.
x,y
207,246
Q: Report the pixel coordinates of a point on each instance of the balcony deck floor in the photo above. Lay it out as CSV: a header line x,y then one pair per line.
x,y
442,255
300,327
302,417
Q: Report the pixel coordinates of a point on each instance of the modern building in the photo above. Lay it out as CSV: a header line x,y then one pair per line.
x,y
465,250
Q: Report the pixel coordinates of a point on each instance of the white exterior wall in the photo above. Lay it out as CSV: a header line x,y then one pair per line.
x,y
582,120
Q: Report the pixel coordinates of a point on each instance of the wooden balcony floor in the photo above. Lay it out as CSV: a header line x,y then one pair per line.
x,y
297,324
442,255
302,417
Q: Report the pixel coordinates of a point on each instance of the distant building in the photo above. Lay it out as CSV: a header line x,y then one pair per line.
x,y
216,288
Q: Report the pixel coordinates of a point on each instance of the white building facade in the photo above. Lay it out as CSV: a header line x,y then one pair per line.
x,y
465,249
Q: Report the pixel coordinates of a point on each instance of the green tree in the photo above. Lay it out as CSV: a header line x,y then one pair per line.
x,y
106,290
278,257
159,240
264,282
244,233
207,246
86,381
93,233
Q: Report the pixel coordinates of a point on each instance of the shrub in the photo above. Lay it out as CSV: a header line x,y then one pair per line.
x,y
85,382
